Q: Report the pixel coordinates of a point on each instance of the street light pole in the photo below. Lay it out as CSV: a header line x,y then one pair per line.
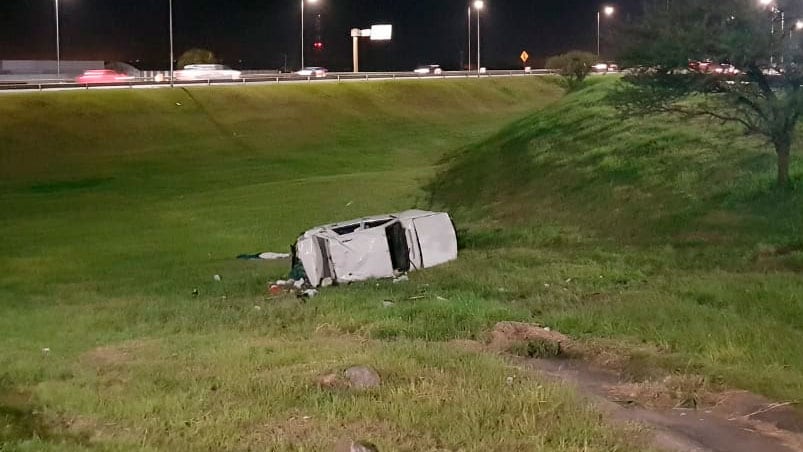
x,y
302,34
469,39
608,10
58,42
479,61
302,29
598,33
479,4
172,57
783,27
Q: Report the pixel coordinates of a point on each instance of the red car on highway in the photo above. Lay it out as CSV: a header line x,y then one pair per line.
x,y
102,76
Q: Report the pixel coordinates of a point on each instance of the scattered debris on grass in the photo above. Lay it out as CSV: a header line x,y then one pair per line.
x,y
268,256
299,288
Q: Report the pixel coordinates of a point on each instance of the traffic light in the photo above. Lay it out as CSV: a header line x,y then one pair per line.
x,y
318,45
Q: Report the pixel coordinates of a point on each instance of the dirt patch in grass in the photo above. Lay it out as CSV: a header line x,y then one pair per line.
x,y
18,417
110,357
21,420
779,257
111,364
93,431
528,340
673,391
293,430
685,411
300,431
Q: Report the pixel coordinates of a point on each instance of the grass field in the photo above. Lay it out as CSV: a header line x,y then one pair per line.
x,y
118,205
663,237
656,239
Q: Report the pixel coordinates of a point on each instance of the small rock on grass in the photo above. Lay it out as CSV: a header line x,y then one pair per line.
x,y
355,446
358,378
363,446
362,377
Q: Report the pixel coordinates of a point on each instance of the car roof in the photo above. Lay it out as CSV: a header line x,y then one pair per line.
x,y
203,66
406,215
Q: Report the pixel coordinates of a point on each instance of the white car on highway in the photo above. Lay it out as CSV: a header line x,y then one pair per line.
x,y
433,69
207,72
319,72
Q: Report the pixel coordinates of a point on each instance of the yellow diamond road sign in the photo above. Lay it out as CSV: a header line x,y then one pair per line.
x,y
524,56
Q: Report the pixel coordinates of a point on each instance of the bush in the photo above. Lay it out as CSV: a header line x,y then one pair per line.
x,y
574,66
196,56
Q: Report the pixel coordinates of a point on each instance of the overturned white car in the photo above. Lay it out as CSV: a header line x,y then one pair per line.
x,y
376,247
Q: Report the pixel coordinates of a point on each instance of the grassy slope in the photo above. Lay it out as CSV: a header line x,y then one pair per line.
x,y
661,235
116,205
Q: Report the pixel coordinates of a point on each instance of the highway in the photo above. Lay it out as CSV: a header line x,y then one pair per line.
x,y
11,86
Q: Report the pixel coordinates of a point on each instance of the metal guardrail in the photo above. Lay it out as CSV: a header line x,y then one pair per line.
x,y
257,78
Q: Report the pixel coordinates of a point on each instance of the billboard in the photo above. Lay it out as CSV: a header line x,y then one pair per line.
x,y
381,32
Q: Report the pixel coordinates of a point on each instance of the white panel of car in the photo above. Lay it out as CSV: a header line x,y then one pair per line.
x,y
361,249
436,238
309,253
361,255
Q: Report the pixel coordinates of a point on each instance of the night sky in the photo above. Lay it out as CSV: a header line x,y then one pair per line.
x,y
258,33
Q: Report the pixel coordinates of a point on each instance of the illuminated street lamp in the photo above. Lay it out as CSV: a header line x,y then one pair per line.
x,y
799,25
302,28
478,5
608,11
